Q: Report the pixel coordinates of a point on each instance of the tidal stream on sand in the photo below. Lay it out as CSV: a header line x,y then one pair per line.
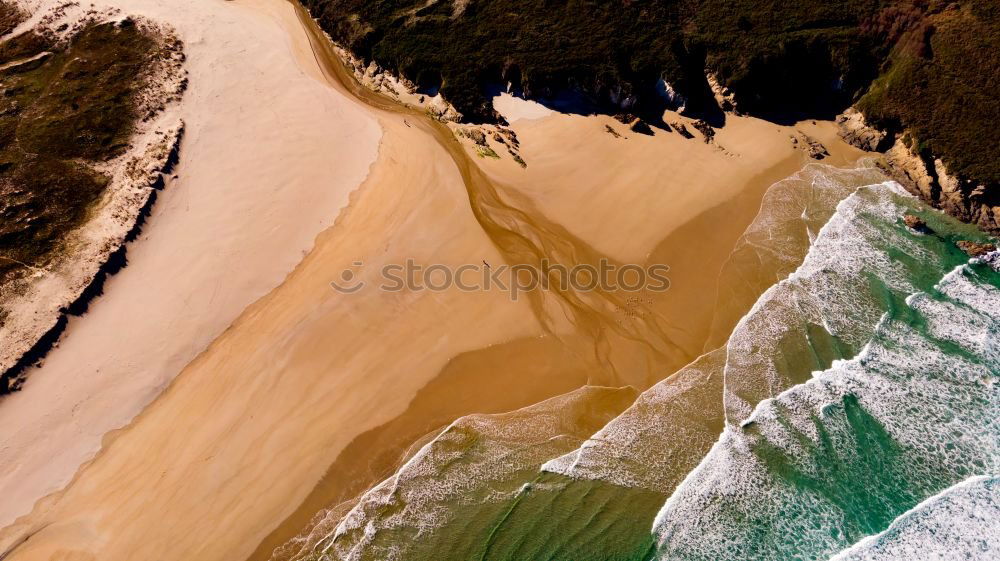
x,y
826,369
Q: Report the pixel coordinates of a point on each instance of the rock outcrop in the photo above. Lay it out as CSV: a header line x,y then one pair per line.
x,y
812,147
671,96
706,130
967,200
681,129
975,249
925,176
723,95
855,130
380,80
640,127
916,224
635,124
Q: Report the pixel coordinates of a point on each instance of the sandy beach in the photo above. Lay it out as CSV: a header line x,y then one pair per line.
x,y
660,199
310,395
269,158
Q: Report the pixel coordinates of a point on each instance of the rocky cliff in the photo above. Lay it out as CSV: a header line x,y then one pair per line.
x,y
925,175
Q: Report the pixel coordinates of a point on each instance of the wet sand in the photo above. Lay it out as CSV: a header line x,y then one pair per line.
x,y
697,249
311,396
662,199
271,403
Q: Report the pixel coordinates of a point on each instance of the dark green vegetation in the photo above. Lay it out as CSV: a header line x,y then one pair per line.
x,y
545,46
941,84
933,63
62,108
10,17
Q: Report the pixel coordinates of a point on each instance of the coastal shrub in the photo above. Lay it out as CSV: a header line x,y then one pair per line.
x,y
62,109
940,84
930,64
777,56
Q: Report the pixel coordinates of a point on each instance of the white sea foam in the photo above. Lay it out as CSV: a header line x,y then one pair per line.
x,y
960,524
829,304
817,456
660,437
991,259
817,466
477,460
792,213
673,424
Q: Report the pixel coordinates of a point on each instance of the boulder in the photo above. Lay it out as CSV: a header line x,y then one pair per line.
x,y
640,127
855,130
705,129
916,224
625,118
682,129
975,249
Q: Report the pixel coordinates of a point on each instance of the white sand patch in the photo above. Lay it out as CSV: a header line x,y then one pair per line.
x,y
519,109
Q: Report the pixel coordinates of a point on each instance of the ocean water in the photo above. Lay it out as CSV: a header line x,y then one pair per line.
x,y
657,441
458,485
957,524
903,337
792,213
853,411
861,267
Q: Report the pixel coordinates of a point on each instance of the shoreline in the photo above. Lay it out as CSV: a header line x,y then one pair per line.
x,y
412,426
240,438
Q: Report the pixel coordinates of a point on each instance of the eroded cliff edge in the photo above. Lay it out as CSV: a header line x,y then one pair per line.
x,y
925,175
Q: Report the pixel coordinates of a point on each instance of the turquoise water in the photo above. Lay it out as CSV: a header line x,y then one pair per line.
x,y
958,523
854,410
826,458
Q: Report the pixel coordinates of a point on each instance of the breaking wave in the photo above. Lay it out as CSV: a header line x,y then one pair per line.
x,y
856,401
664,435
460,483
955,525
829,457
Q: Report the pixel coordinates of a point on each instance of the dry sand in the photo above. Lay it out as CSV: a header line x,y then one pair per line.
x,y
624,195
248,429
269,158
311,395
33,306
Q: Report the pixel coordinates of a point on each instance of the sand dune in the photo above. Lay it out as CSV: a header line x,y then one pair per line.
x,y
310,395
